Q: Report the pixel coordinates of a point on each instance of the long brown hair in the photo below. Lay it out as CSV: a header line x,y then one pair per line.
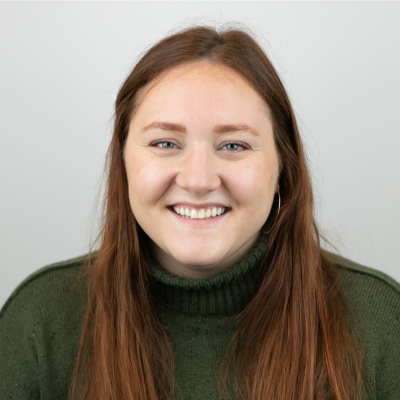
x,y
293,340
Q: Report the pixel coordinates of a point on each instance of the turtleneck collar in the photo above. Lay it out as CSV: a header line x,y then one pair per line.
x,y
223,294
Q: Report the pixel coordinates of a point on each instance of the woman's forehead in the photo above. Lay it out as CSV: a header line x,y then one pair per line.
x,y
214,84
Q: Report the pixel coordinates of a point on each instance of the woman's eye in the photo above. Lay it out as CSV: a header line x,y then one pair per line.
x,y
233,146
165,145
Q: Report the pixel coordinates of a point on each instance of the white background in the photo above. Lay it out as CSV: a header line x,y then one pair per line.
x,y
63,63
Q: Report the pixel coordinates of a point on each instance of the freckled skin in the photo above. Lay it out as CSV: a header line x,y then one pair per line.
x,y
200,168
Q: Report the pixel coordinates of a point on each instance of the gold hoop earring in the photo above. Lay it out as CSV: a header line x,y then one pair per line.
x,y
279,208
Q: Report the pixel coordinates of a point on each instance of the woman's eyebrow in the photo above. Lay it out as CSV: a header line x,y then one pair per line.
x,y
235,128
170,126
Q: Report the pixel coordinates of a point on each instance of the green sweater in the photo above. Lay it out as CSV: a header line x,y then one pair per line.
x,y
41,322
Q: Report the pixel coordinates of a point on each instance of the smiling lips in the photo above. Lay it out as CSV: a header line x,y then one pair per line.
x,y
203,213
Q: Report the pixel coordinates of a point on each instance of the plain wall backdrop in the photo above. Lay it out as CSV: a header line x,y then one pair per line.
x,y
63,63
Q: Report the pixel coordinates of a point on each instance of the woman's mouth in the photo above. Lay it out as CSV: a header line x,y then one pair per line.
x,y
203,213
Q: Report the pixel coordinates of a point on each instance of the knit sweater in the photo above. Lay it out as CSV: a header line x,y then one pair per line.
x,y
41,323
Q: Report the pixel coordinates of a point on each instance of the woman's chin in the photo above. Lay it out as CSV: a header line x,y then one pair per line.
x,y
194,261
199,260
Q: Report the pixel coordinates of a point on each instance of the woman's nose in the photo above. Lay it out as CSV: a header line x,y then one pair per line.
x,y
197,172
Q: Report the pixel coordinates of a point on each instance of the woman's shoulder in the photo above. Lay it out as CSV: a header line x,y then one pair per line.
x,y
40,329
50,288
361,282
370,276
374,299
365,279
372,295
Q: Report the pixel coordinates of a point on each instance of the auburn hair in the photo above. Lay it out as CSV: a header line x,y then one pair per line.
x,y
295,339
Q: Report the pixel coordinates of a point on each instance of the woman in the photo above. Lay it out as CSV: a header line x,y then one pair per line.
x,y
209,278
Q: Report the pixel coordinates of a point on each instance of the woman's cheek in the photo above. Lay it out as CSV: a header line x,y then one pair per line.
x,y
151,178
255,188
249,180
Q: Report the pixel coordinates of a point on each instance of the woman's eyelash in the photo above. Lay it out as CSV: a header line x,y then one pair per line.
x,y
163,141
241,144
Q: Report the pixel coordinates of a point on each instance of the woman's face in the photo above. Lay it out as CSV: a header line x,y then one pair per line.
x,y
201,142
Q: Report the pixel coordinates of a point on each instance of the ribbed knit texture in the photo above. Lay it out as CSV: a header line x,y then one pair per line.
x,y
225,293
40,326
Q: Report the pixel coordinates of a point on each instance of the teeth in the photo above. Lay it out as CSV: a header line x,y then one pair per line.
x,y
193,214
201,214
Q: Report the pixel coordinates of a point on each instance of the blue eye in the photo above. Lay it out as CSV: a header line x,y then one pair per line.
x,y
165,145
233,146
